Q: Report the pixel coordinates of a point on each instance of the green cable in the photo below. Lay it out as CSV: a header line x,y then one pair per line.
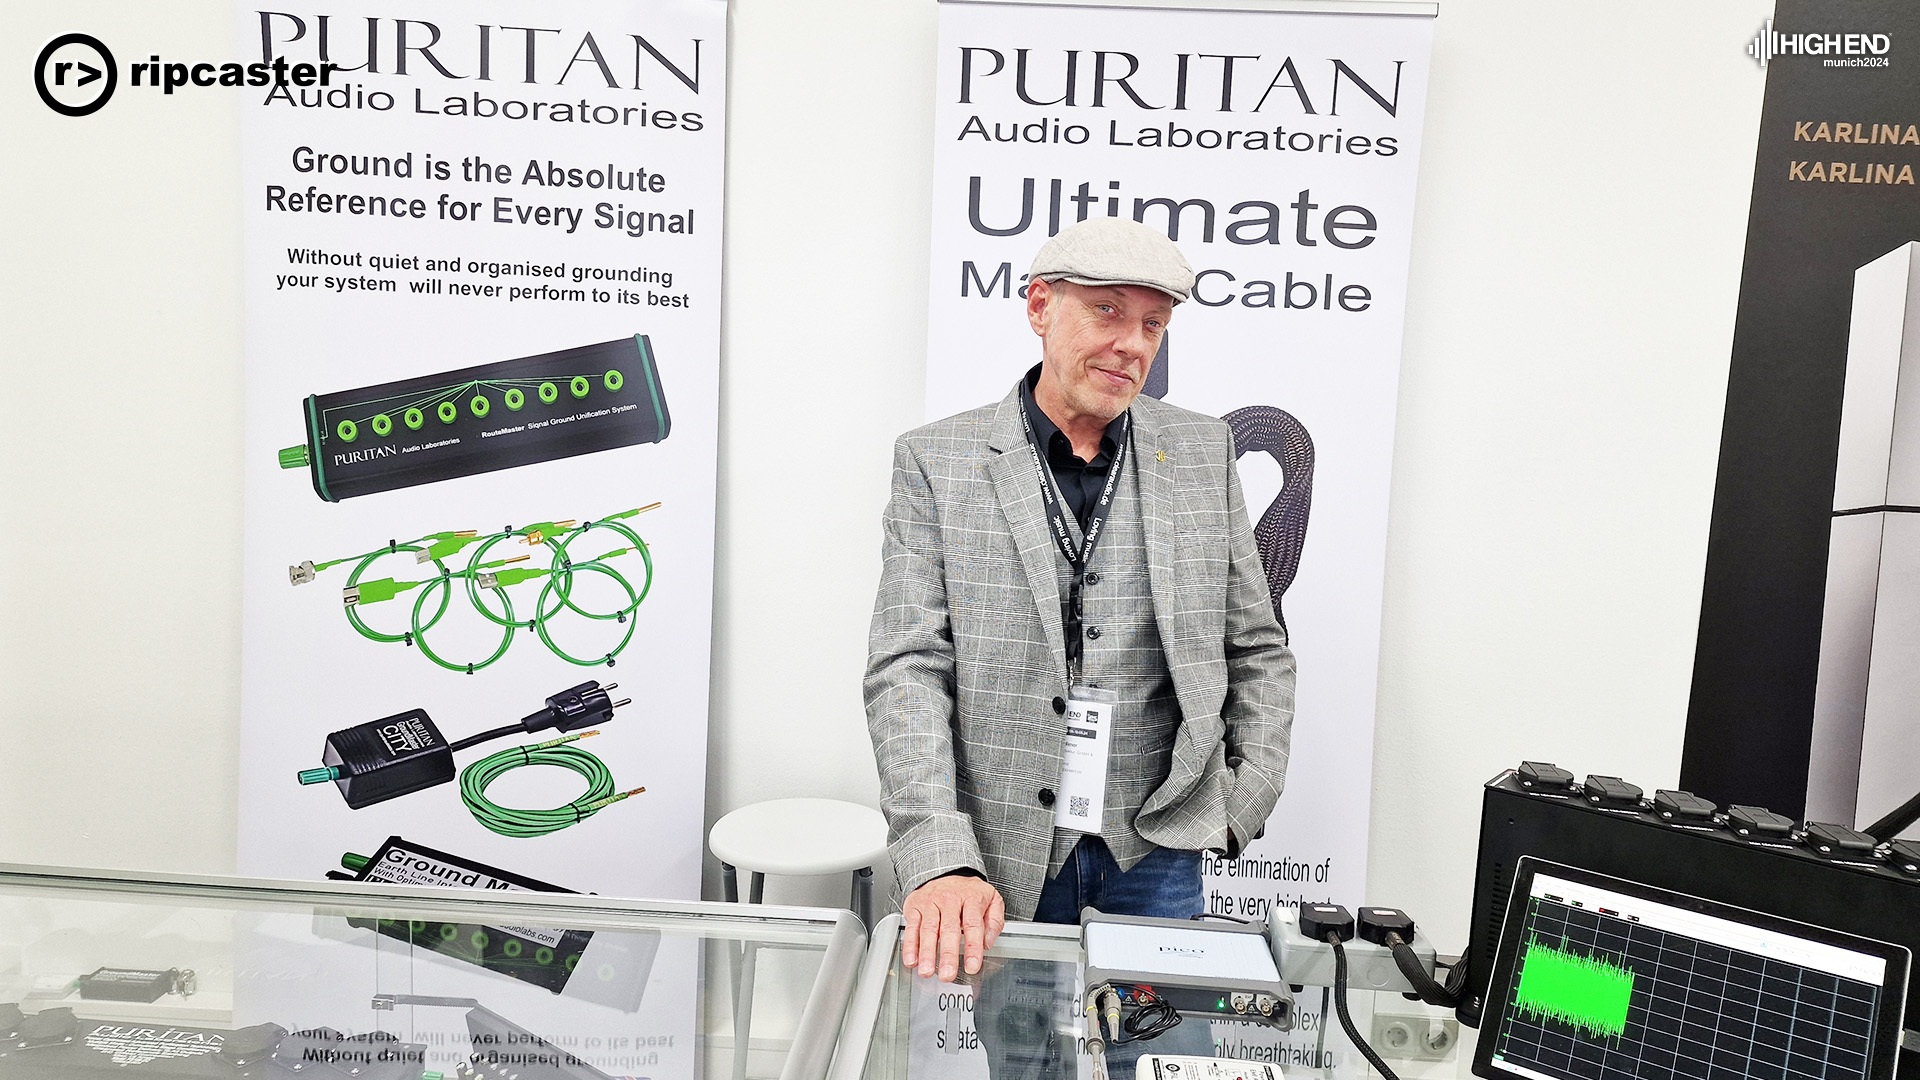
x,y
546,638
562,565
353,579
420,629
508,821
475,592
432,601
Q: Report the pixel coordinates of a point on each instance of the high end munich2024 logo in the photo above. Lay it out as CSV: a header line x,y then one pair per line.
x,y
1835,50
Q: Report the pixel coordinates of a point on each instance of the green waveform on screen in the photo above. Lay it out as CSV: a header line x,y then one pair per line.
x,y
1585,992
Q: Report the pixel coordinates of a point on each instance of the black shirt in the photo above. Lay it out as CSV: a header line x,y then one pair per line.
x,y
1080,481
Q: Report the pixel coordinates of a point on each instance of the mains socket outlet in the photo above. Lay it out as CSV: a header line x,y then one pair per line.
x,y
1413,1037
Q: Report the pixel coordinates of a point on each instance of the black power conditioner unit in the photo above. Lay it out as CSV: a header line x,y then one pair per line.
x,y
1827,875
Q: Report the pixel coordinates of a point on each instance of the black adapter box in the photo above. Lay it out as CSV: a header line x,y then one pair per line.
x,y
479,419
127,984
393,756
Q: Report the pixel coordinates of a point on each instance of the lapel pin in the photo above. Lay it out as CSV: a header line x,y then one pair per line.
x,y
1160,455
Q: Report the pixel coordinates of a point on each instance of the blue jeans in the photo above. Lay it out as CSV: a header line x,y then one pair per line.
x,y
1026,1012
1165,884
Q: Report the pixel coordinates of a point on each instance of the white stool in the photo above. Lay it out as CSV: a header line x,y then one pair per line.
x,y
801,838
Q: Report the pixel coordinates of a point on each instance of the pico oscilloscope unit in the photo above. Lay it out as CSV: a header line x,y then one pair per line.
x,y
481,419
1218,970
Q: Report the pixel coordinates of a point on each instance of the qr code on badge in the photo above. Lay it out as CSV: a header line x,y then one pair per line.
x,y
1077,807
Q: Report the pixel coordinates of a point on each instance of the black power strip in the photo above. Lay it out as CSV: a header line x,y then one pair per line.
x,y
1828,875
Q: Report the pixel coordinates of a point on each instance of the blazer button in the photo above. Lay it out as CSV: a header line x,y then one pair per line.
x,y
1093,578
1093,632
1046,796
1060,705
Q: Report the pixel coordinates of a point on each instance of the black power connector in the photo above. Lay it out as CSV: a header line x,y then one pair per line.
x,y
1333,924
571,709
1394,929
404,753
1377,922
1319,920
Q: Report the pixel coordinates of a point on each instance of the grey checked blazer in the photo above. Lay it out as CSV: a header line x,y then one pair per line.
x,y
967,653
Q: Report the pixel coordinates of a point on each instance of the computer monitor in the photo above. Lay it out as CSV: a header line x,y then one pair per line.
x,y
1597,978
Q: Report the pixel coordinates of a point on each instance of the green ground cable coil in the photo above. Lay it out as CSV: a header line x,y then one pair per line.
x,y
508,821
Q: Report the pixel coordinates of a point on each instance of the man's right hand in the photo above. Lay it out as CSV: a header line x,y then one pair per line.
x,y
946,914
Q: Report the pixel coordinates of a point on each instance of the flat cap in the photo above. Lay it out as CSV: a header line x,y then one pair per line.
x,y
1114,251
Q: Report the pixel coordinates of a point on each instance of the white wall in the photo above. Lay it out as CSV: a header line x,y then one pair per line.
x,y
1577,253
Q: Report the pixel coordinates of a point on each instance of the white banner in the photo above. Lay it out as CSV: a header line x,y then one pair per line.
x,y
1279,150
482,276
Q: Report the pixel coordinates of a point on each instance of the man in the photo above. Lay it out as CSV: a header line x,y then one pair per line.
x,y
1073,553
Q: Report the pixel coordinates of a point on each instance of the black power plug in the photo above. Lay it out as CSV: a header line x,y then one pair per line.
x,y
1319,920
1394,929
1377,922
580,706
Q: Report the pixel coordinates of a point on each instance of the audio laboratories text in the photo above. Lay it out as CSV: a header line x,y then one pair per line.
x,y
382,186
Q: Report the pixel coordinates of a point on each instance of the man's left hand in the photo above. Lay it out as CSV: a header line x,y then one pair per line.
x,y
950,921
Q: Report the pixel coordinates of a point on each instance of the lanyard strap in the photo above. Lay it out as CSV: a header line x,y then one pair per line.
x,y
1077,559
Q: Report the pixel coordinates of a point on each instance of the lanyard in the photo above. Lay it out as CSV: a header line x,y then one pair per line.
x,y
1056,506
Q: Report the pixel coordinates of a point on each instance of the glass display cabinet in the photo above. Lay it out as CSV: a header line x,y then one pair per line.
x,y
1019,1020
108,974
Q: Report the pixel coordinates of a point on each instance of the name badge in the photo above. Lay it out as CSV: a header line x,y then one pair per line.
x,y
1083,771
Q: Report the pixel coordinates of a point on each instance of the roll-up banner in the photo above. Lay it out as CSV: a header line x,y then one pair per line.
x,y
1279,149
482,248
1804,695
